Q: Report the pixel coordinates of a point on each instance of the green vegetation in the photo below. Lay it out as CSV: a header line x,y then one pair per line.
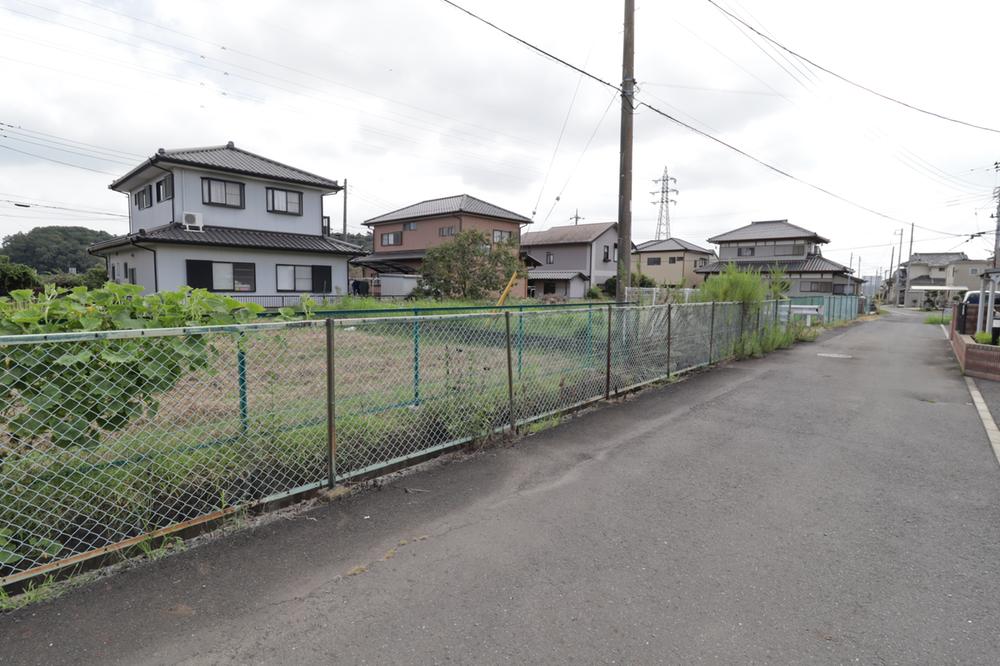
x,y
54,249
16,276
92,279
984,337
937,319
469,267
637,278
734,285
595,293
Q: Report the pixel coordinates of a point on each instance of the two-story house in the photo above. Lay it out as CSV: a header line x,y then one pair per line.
x,y
571,259
671,262
924,270
227,220
794,250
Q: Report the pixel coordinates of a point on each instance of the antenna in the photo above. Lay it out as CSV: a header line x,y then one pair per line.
x,y
663,219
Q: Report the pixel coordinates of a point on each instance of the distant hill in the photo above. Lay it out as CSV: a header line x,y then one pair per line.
x,y
54,249
364,240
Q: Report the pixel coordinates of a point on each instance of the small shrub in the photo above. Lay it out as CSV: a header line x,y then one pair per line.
x,y
984,337
937,319
594,293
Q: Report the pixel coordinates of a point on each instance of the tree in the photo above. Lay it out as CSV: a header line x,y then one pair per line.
x,y
16,276
468,267
54,249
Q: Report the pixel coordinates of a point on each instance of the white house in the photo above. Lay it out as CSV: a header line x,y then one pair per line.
x,y
230,221
571,258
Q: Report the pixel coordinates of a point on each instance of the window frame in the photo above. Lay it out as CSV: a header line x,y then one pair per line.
x,y
295,278
795,249
162,186
269,201
654,261
607,253
409,226
446,232
383,234
206,193
746,251
671,260
550,258
144,198
502,239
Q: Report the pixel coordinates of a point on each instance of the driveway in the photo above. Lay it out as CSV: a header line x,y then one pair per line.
x,y
833,503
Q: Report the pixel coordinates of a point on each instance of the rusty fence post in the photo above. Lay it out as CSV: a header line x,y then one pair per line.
x,y
510,376
331,409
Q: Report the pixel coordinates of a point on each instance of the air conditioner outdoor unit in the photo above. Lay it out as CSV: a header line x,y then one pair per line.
x,y
193,222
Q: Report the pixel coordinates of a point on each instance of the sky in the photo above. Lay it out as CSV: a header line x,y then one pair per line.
x,y
412,100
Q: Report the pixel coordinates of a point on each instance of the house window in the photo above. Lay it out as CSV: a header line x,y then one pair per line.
x,y
788,250
700,262
286,202
616,252
500,236
144,197
221,275
840,288
548,287
125,270
973,271
325,226
446,231
607,253
672,260
294,278
744,251
820,287
550,259
654,261
215,192
165,188
392,238
409,226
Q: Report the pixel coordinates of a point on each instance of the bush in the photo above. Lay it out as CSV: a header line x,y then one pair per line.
x,y
16,276
73,393
984,337
594,293
636,279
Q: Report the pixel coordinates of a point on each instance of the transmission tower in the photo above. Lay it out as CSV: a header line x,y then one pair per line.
x,y
663,219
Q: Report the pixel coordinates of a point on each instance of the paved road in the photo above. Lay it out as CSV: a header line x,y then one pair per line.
x,y
800,508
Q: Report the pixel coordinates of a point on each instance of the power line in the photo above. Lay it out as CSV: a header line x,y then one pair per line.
x,y
49,159
849,81
22,204
555,151
702,133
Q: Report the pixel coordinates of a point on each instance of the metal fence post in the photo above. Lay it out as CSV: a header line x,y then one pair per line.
x,y
241,379
775,307
759,308
711,334
331,407
510,376
520,341
416,358
607,361
670,319
590,335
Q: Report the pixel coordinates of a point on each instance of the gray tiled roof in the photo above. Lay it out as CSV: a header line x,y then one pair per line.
x,y
461,203
767,230
553,275
230,159
230,237
812,264
935,258
571,233
671,245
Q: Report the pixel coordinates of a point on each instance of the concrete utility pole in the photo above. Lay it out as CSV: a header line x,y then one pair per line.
x,y
345,209
576,217
909,256
899,268
663,218
996,237
892,261
625,164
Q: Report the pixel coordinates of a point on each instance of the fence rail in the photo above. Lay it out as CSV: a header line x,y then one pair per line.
x,y
109,438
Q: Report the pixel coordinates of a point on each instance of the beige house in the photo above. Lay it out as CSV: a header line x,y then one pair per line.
x,y
924,270
966,273
671,262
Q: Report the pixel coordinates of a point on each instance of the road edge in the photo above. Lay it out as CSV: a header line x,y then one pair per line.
x,y
992,432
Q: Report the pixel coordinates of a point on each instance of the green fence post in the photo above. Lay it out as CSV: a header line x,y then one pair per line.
x,y
331,413
520,340
241,378
510,377
711,336
607,361
416,358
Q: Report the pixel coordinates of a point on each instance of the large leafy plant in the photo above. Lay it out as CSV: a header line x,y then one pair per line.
x,y
74,391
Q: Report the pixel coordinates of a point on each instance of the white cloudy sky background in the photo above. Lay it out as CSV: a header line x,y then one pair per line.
x,y
410,99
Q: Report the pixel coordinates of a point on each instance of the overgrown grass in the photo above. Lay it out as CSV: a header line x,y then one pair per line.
x,y
937,319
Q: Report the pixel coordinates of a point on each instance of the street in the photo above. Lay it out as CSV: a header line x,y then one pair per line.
x,y
838,502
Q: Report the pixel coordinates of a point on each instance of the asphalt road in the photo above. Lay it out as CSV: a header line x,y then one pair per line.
x,y
802,508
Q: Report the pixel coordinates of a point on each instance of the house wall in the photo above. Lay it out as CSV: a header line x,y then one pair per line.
x,y
427,234
797,288
171,266
766,250
601,270
254,214
135,257
966,273
573,288
565,256
682,270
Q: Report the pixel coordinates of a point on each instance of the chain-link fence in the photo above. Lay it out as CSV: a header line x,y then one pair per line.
x,y
109,439
835,308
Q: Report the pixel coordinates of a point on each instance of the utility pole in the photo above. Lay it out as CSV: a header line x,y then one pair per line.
x,y
663,219
625,164
576,217
996,236
909,257
345,209
892,261
899,268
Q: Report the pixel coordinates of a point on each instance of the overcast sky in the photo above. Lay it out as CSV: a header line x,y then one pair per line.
x,y
411,100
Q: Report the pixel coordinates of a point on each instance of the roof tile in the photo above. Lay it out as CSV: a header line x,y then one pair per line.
x,y
462,203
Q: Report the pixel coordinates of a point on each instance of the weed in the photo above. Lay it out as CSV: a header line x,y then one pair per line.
x,y
541,424
984,337
937,319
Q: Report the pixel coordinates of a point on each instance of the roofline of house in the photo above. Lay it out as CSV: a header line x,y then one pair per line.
x,y
330,186
143,236
520,219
